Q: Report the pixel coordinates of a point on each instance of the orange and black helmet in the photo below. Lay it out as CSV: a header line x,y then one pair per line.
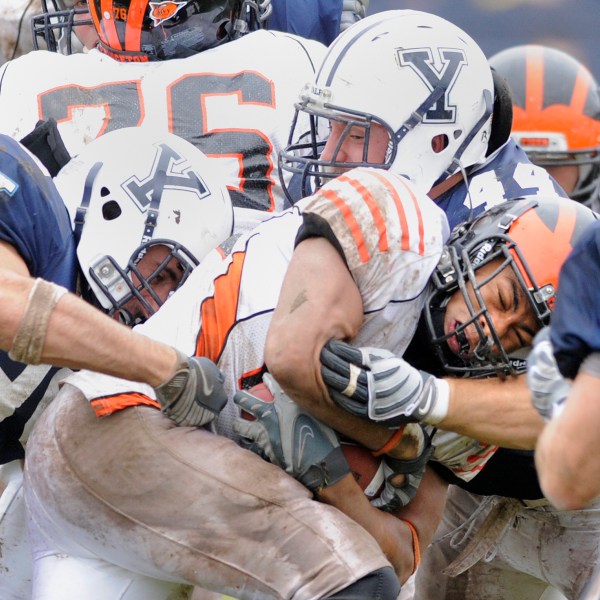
x,y
142,30
556,110
532,236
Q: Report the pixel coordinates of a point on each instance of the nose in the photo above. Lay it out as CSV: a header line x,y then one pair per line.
x,y
502,322
136,311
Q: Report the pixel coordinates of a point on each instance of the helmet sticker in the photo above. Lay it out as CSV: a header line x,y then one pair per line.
x,y
163,11
422,62
178,174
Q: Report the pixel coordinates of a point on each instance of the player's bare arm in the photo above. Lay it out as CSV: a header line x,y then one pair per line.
x,y
80,336
319,300
502,414
560,463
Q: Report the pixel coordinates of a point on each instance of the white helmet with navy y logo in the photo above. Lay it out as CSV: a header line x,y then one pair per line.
x,y
134,189
413,73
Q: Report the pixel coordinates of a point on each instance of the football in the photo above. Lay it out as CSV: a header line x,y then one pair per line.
x,y
366,468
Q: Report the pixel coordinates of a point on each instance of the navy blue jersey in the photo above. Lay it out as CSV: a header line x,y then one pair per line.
x,y
575,330
33,217
507,173
314,19
34,220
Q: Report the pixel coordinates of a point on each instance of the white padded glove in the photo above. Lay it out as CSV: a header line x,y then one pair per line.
x,y
549,389
374,384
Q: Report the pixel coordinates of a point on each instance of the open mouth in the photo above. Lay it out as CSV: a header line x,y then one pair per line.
x,y
459,343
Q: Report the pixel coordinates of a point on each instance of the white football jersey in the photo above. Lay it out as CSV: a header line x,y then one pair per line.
x,y
235,102
391,236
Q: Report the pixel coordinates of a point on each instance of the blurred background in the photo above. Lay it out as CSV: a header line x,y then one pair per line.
x,y
570,25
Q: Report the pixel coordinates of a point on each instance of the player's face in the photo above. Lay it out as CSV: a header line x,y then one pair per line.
x,y
164,283
346,144
507,307
85,33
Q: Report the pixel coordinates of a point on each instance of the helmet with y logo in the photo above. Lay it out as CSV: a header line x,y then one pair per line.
x,y
133,190
416,75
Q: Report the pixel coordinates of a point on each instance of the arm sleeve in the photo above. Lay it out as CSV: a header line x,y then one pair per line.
x,y
575,330
33,217
314,19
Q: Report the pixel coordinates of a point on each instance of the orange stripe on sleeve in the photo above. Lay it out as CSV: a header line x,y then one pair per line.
x,y
373,207
421,224
109,404
405,241
353,225
219,312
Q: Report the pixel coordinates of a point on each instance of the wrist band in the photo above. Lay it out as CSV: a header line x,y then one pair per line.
x,y
29,340
391,443
415,542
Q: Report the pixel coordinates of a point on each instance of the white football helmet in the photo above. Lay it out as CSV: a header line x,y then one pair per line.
x,y
413,73
129,191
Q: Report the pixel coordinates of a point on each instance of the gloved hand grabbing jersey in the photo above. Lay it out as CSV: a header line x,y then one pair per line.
x,y
374,384
292,439
549,389
194,395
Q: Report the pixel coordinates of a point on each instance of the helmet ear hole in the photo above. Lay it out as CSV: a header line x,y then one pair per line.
x,y
111,210
439,142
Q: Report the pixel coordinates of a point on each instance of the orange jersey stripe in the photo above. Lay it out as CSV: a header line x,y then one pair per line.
x,y
219,311
405,243
475,458
373,207
110,404
354,227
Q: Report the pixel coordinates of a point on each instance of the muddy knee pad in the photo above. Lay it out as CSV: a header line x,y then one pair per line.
x,y
381,584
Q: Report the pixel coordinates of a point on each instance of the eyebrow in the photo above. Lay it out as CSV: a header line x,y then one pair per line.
x,y
517,295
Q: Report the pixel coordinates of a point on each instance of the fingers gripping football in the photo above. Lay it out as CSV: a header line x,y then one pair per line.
x,y
373,383
291,438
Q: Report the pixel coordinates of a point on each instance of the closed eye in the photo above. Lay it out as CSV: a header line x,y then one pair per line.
x,y
517,294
